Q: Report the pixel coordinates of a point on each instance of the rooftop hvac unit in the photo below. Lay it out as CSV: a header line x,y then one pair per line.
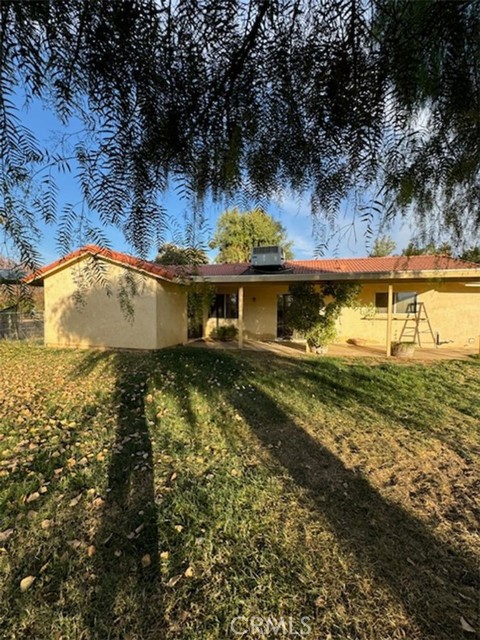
x,y
267,257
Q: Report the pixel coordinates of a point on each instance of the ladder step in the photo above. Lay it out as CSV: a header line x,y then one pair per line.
x,y
411,328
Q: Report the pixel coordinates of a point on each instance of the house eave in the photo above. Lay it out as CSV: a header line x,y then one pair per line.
x,y
452,275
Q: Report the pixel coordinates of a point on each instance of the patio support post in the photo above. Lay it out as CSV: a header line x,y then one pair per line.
x,y
240,317
389,320
204,323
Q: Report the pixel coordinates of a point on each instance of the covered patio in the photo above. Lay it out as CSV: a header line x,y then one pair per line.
x,y
430,301
340,350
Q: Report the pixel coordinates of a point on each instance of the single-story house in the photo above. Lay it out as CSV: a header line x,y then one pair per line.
x,y
432,299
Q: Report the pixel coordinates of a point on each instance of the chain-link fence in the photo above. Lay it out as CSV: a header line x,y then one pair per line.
x,y
21,326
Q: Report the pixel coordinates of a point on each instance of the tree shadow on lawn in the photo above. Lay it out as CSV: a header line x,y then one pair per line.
x,y
126,601
405,395
425,574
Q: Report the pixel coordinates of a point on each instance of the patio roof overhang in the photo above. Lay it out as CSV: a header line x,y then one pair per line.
x,y
452,275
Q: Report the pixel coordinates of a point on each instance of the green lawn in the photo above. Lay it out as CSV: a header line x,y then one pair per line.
x,y
163,495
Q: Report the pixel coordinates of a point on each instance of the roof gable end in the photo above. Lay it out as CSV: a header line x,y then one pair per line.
x,y
144,266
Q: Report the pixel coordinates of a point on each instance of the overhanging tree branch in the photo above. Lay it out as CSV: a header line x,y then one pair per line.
x,y
323,97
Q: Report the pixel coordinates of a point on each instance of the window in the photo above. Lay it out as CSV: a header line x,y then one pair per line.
x,y
225,305
406,302
403,302
381,302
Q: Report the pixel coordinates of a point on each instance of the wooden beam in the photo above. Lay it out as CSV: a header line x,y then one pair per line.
x,y
389,320
240,317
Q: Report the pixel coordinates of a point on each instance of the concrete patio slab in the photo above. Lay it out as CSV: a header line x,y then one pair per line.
x,y
296,349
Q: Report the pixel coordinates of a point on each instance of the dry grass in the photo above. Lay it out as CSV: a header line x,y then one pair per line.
x,y
159,496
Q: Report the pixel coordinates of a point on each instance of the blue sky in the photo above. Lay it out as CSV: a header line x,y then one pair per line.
x,y
291,210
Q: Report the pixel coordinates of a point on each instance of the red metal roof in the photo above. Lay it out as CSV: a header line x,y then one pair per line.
x,y
350,266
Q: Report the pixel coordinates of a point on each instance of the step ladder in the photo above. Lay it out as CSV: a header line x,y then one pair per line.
x,y
417,325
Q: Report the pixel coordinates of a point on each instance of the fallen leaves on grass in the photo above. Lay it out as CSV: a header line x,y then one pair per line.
x,y
173,581
75,544
26,583
229,520
466,626
75,501
5,535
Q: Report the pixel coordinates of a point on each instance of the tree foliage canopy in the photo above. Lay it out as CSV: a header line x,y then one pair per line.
x,y
383,246
238,232
314,309
413,249
471,255
13,292
172,254
242,96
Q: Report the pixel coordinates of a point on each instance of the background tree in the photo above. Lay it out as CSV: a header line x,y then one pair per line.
x,y
414,249
238,232
383,246
13,292
241,97
172,254
471,255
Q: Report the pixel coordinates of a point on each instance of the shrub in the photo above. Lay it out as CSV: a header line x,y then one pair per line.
x,y
321,334
314,310
225,333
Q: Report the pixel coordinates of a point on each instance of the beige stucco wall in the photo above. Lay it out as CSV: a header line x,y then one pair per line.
x,y
159,310
171,314
453,309
261,310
